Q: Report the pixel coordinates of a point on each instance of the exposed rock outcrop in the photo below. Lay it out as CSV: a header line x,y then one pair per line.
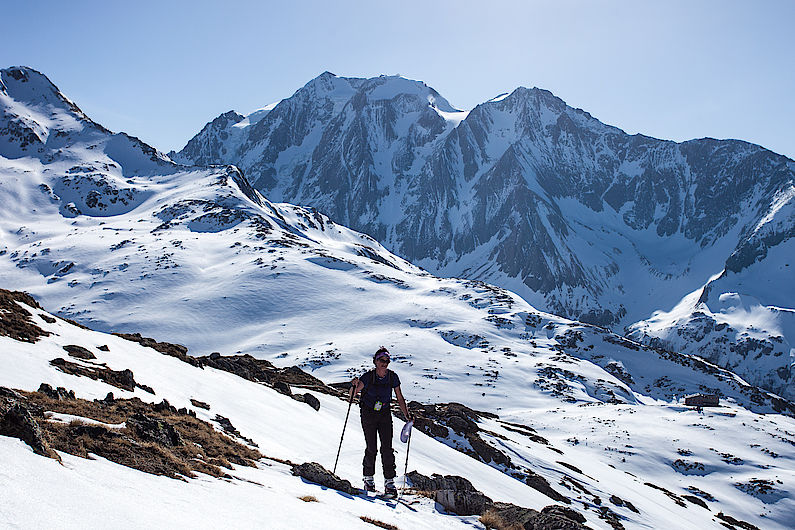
x,y
439,482
230,429
15,321
123,379
79,352
200,404
463,502
552,517
309,399
174,350
154,430
438,420
457,495
17,421
314,472
539,483
262,371
59,393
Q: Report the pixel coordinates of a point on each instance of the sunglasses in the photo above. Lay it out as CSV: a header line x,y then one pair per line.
x,y
382,360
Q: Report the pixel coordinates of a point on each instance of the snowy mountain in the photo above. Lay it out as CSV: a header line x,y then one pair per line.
x,y
743,318
106,231
527,193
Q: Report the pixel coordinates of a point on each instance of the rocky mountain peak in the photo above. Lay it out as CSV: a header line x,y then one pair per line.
x,y
537,107
22,81
24,84
326,85
222,123
375,89
199,150
391,87
227,117
35,115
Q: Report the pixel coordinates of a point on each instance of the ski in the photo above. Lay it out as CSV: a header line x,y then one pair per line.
x,y
388,499
405,503
375,494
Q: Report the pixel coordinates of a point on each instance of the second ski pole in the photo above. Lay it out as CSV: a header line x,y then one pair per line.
x,y
350,402
407,430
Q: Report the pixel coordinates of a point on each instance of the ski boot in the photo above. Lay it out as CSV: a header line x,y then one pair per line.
x,y
390,491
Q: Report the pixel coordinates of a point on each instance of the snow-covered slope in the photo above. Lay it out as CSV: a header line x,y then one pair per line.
x,y
40,492
105,230
523,192
730,460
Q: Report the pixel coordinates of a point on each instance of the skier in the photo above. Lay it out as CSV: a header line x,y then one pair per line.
x,y
376,388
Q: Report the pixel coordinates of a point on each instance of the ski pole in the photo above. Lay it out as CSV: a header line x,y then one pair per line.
x,y
406,468
350,402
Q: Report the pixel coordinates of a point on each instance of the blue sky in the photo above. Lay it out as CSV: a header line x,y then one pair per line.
x,y
675,70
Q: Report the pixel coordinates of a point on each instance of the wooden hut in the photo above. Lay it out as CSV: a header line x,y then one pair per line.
x,y
702,400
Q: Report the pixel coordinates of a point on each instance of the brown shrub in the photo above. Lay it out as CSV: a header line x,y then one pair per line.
x,y
308,498
117,446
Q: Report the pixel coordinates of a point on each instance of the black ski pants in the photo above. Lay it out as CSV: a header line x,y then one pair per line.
x,y
378,425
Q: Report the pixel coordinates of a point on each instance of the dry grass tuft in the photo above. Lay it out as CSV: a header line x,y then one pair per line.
x,y
279,460
308,498
422,493
202,449
492,520
378,523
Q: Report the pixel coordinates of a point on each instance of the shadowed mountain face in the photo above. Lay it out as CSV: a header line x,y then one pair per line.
x,y
523,191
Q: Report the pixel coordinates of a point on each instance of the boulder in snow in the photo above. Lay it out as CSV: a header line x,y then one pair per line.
x,y
155,430
314,472
18,422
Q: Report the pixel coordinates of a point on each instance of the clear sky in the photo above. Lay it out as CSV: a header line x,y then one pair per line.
x,y
674,69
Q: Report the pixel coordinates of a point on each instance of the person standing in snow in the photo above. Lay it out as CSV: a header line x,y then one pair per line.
x,y
376,387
